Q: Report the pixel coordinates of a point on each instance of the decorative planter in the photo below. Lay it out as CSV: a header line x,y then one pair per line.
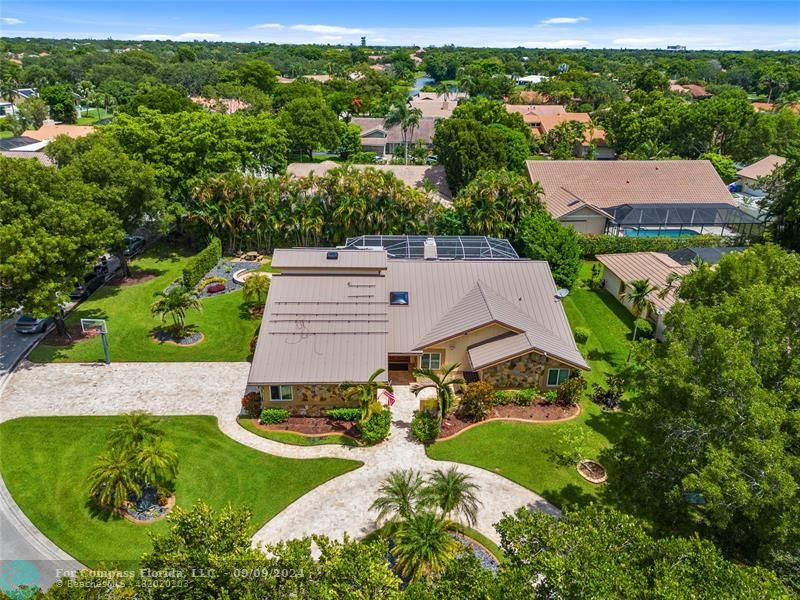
x,y
592,471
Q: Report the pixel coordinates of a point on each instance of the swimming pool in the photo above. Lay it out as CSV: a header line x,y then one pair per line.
x,y
673,233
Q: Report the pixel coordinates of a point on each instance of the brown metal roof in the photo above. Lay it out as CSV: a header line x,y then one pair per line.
x,y
653,266
762,168
607,184
317,258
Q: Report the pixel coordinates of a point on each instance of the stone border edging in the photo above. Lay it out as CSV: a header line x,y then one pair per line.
x,y
595,480
155,340
168,506
497,559
512,419
308,435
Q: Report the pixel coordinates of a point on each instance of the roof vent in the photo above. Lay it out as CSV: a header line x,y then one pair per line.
x,y
332,256
429,249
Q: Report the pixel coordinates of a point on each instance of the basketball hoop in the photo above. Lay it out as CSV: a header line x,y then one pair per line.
x,y
92,328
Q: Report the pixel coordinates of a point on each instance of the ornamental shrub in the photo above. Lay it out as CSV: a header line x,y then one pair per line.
x,y
477,399
344,414
582,335
376,429
570,392
524,397
644,328
550,397
273,416
608,397
425,426
592,245
251,403
210,280
202,263
504,397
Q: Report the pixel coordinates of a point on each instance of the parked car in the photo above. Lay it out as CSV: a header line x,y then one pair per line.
x,y
29,324
91,281
431,160
107,265
135,244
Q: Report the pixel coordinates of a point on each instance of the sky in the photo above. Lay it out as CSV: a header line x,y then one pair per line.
x,y
697,24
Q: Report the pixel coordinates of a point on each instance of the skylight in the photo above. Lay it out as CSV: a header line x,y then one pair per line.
x,y
398,298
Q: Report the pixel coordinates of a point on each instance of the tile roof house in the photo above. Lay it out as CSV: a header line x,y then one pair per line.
x,y
542,118
697,92
748,177
636,195
382,140
226,105
414,176
50,130
656,267
336,315
435,109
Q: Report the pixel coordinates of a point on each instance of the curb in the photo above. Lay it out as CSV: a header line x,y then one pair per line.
x,y
513,420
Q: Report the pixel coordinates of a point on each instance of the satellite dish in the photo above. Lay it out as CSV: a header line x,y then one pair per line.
x,y
562,293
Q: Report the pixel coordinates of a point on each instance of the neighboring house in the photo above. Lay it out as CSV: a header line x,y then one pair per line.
x,y
423,177
50,130
382,140
697,92
657,268
766,107
26,93
282,79
751,177
7,108
434,109
226,105
437,97
542,118
40,156
639,197
19,144
337,315
530,97
318,78
532,79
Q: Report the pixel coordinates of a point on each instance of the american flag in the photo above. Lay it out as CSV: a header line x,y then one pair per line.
x,y
389,397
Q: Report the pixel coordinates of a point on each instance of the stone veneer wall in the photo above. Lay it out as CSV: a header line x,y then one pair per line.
x,y
311,400
527,371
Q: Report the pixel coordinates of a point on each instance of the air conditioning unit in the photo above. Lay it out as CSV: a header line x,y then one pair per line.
x,y
429,249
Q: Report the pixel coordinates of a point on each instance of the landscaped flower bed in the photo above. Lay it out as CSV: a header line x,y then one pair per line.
x,y
311,426
454,423
215,288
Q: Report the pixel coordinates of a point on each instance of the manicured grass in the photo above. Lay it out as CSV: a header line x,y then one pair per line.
x,y
483,540
5,133
45,462
287,437
224,321
92,115
529,453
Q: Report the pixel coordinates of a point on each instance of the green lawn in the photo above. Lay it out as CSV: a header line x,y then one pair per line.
x,y
225,323
287,437
45,462
528,453
92,115
5,133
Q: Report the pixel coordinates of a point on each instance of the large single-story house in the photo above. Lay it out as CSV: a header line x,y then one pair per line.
x,y
400,302
435,108
542,118
639,197
430,179
697,92
657,267
382,140
750,178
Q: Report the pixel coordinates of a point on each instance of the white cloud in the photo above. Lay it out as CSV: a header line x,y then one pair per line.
x,y
329,29
378,39
268,26
200,36
556,44
330,37
563,20
155,36
11,21
637,41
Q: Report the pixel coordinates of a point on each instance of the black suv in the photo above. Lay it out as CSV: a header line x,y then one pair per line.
x,y
91,282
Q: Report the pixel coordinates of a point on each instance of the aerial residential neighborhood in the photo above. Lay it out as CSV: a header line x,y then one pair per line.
x,y
453,300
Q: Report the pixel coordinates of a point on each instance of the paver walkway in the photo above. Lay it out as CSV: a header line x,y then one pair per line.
x,y
337,507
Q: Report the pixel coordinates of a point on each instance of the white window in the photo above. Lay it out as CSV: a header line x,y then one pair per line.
x,y
431,360
556,377
280,393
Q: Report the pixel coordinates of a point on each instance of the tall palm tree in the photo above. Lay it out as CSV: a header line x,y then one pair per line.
x,y
112,477
175,304
135,429
423,545
443,90
398,495
366,394
674,280
638,295
452,492
441,381
407,118
156,462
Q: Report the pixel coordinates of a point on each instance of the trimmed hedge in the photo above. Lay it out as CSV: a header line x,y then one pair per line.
x,y
377,428
425,427
644,329
523,397
592,245
344,414
202,263
582,334
273,416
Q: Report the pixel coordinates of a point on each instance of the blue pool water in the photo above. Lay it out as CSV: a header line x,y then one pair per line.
x,y
673,233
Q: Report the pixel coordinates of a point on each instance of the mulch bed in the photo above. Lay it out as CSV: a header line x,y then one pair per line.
x,y
592,471
312,426
454,424
137,277
165,337
53,339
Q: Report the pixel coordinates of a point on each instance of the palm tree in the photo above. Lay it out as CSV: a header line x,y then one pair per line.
x,y
674,280
398,495
256,288
156,462
423,545
441,381
638,295
136,428
452,492
366,394
443,90
113,477
407,118
175,304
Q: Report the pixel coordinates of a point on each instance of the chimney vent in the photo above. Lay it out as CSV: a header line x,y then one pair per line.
x,y
429,249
